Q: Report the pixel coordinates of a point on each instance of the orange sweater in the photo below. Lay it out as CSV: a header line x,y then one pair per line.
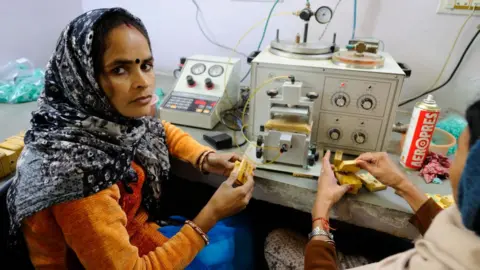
x,y
109,230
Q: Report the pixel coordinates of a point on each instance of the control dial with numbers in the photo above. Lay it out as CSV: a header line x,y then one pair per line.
x,y
341,99
359,137
367,102
334,134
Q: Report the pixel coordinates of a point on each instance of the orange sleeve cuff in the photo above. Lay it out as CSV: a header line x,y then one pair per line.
x,y
181,145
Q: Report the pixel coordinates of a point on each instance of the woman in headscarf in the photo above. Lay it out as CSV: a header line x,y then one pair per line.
x,y
88,182
451,237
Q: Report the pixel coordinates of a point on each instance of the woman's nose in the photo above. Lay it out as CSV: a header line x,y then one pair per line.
x,y
140,80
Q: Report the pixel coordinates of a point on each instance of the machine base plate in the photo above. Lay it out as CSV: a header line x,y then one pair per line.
x,y
313,171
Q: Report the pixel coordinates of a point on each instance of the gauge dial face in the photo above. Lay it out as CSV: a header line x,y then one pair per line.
x,y
198,69
324,15
215,71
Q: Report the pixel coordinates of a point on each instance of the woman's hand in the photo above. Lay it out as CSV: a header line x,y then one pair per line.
x,y
227,201
383,168
328,191
221,164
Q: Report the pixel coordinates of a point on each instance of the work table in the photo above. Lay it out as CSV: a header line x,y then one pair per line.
x,y
383,211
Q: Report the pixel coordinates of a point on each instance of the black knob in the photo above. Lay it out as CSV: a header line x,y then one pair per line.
x,y
341,101
334,134
313,150
359,138
259,140
272,92
367,103
259,152
306,14
183,60
190,80
311,160
208,83
262,128
317,156
312,95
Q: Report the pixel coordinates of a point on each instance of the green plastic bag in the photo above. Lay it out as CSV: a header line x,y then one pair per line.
x,y
20,82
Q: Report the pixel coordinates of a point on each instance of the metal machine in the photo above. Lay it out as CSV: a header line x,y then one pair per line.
x,y
286,136
356,106
207,86
356,90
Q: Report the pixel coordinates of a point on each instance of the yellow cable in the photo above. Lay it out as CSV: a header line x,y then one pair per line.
x,y
265,83
451,50
257,24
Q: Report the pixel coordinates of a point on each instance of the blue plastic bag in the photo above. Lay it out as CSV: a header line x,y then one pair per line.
x,y
231,245
20,82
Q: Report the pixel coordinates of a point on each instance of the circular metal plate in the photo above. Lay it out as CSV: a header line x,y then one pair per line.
x,y
302,48
353,59
326,56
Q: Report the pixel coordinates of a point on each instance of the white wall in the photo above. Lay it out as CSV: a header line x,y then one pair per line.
x,y
411,29
30,28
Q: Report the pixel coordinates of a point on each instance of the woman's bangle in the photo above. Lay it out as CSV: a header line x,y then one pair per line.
x,y
199,231
203,158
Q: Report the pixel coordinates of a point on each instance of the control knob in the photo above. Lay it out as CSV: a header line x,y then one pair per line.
x,y
190,81
340,101
367,103
208,83
359,138
312,95
334,134
272,93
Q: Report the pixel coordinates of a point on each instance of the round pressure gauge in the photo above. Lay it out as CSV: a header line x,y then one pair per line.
x,y
215,71
198,69
324,15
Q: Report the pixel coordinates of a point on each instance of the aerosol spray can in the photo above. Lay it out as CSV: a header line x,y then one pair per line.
x,y
419,134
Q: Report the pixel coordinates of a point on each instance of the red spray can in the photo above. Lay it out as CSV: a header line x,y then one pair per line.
x,y
420,132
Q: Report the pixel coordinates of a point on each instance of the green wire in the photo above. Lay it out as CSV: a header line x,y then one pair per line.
x,y
266,24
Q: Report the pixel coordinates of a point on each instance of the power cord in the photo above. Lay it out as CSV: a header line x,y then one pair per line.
x,y
197,18
354,18
263,36
449,78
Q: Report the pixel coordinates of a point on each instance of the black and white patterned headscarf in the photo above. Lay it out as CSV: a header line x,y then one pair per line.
x,y
79,144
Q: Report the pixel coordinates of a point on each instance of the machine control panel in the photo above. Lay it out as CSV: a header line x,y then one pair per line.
x,y
347,95
187,103
347,131
206,86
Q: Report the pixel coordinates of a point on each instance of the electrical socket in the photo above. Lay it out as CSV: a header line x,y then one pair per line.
x,y
457,7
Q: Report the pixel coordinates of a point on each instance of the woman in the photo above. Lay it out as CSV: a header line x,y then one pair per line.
x,y
450,237
88,182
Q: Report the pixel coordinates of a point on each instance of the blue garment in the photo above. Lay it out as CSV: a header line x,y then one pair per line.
x,y
231,245
469,190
